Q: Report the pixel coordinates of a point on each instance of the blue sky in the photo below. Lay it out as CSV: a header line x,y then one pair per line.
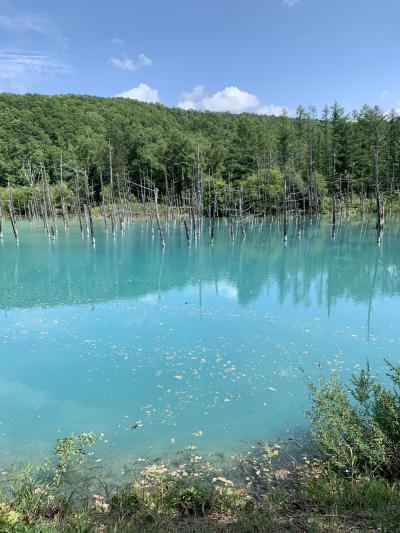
x,y
234,55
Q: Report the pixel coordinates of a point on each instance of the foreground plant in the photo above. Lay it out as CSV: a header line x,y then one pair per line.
x,y
33,494
71,449
357,428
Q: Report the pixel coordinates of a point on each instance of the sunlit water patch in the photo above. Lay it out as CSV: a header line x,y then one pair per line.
x,y
200,346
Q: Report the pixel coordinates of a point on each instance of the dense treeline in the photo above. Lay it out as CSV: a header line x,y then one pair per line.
x,y
316,156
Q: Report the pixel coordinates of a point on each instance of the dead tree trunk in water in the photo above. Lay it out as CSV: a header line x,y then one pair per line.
x,y
43,212
12,215
64,211
49,200
12,218
78,201
158,217
187,232
64,214
112,192
89,211
241,210
193,214
362,198
86,218
333,215
380,215
199,193
103,207
285,229
214,209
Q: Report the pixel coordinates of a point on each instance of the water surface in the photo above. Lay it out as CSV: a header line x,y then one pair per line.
x,y
203,345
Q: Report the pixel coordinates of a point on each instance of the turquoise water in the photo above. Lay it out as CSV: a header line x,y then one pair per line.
x,y
202,345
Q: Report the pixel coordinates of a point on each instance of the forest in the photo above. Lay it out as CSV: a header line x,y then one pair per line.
x,y
316,156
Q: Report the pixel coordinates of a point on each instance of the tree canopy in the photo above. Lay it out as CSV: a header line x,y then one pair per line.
x,y
332,151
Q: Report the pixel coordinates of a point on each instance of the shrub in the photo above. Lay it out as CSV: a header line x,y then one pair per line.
x,y
134,500
192,499
71,449
357,428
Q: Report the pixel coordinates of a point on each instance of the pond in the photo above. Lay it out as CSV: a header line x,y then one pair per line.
x,y
197,346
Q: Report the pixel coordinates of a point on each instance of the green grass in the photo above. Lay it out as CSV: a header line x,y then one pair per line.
x,y
312,498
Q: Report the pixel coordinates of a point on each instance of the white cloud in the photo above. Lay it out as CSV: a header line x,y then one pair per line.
x,y
384,94
231,99
290,3
123,64
142,92
192,99
19,63
272,109
186,105
395,110
117,41
128,64
145,61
